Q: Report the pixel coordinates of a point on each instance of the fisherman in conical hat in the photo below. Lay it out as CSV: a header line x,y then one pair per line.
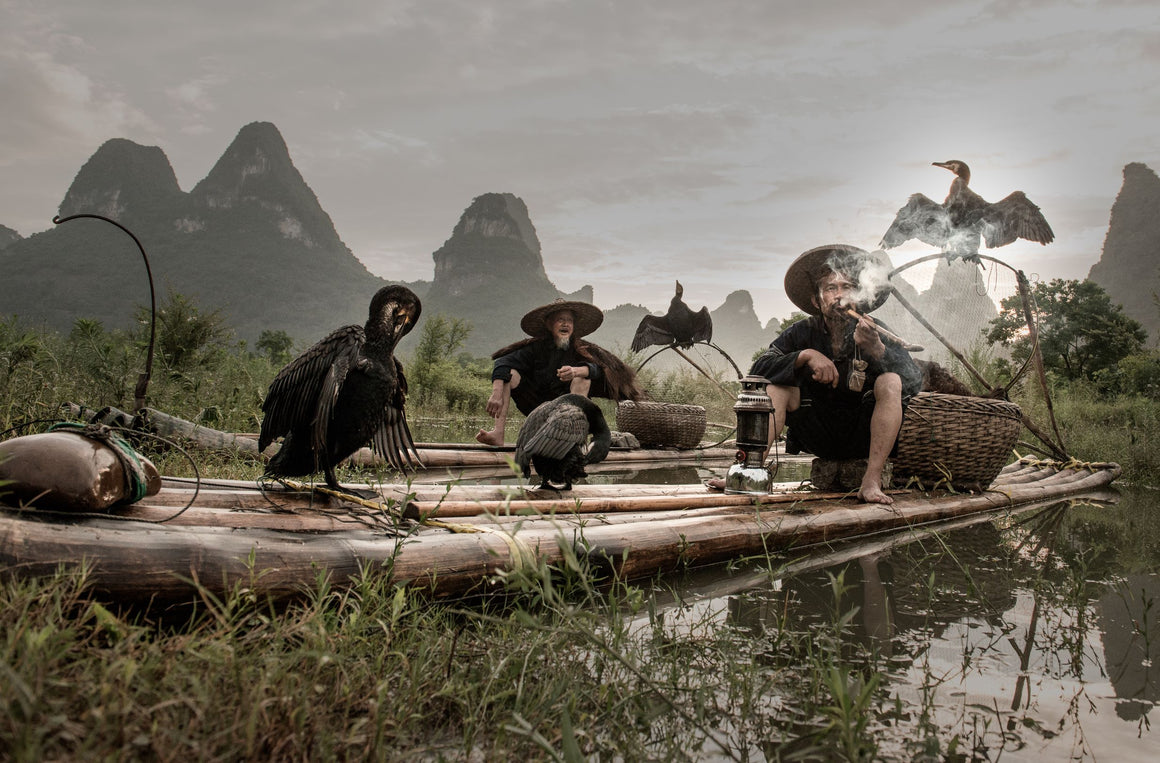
x,y
832,379
554,360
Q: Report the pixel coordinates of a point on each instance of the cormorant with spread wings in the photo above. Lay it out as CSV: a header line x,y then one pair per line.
x,y
958,224
553,436
680,326
345,391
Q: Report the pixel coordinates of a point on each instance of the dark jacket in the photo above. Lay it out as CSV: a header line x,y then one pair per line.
x,y
537,359
777,364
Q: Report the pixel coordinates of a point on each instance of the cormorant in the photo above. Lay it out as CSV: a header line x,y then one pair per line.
x,y
345,391
553,436
679,326
956,225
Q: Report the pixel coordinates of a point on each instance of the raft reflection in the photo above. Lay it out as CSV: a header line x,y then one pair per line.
x,y
1027,634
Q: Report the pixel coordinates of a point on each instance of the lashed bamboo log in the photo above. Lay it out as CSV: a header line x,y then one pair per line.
x,y
137,561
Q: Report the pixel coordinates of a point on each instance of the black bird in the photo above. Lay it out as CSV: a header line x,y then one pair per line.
x,y
553,436
345,391
679,326
956,225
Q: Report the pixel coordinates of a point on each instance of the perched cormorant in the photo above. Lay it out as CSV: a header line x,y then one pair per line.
x,y
679,326
956,225
553,436
345,391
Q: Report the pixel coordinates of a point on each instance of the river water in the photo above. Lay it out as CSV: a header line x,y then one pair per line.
x,y
1028,635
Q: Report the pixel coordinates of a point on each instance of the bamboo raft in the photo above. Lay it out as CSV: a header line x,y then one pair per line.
x,y
453,539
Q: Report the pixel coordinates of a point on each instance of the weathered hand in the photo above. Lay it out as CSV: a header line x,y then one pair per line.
x,y
494,404
822,369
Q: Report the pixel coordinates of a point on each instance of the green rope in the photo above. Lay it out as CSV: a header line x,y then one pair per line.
x,y
136,481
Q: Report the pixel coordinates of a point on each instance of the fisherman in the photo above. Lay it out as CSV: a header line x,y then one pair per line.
x,y
554,361
832,379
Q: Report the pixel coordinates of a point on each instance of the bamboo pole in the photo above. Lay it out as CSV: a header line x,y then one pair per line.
x,y
1057,446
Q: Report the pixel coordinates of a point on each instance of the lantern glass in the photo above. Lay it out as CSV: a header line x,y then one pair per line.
x,y
753,428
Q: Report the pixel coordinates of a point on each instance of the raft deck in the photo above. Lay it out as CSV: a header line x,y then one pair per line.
x,y
453,539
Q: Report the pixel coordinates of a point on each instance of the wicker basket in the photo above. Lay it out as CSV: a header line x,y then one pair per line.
x,y
662,424
963,441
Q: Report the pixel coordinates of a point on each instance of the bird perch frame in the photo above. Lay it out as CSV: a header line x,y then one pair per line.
x,y
695,365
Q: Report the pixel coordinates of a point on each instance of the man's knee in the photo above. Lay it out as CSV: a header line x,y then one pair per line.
x,y
888,387
784,397
580,386
515,382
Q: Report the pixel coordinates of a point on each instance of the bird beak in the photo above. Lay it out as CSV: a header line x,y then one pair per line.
x,y
944,165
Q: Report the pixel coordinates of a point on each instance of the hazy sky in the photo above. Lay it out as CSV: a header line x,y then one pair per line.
x,y
652,140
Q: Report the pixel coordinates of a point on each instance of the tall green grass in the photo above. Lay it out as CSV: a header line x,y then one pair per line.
x,y
1098,427
558,669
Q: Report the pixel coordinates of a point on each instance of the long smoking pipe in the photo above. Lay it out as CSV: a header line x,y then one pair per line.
x,y
887,335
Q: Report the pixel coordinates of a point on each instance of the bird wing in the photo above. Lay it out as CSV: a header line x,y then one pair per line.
x,y
702,326
653,329
919,218
308,383
392,440
1014,217
532,424
560,428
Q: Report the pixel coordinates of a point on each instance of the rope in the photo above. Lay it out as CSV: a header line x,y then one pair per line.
x,y
1054,463
136,481
522,555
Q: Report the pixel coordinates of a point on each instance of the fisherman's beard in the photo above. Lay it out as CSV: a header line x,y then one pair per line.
x,y
563,342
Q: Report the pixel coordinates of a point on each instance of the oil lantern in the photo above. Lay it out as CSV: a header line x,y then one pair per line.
x,y
748,474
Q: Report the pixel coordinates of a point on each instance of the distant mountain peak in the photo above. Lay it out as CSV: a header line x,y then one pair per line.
x,y
256,168
740,301
251,239
255,162
121,179
1129,265
493,242
500,215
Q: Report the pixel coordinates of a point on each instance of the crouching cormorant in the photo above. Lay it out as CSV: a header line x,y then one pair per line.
x,y
553,436
679,326
345,391
957,225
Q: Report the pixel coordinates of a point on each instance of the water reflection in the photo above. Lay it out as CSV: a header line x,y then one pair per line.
x,y
1027,635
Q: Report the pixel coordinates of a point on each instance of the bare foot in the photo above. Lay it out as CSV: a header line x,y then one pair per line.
x,y
490,438
716,483
871,492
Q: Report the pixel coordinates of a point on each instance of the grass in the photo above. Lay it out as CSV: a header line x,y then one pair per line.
x,y
1123,428
557,670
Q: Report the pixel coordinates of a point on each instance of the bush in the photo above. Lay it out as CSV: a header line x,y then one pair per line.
x,y
1137,374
